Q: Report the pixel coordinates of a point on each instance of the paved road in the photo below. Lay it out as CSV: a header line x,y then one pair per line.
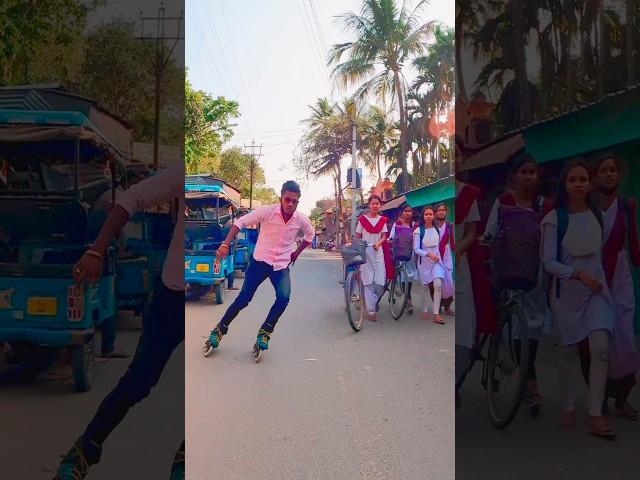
x,y
539,448
41,421
324,402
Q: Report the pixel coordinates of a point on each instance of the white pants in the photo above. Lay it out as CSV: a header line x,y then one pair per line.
x,y
599,347
371,294
437,296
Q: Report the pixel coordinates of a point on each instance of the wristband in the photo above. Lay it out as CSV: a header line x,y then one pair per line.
x,y
224,245
93,253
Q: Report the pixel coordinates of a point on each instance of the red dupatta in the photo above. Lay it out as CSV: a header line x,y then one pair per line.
x,y
366,224
478,258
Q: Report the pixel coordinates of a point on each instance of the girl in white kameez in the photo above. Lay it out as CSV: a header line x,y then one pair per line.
x,y
430,266
372,228
579,297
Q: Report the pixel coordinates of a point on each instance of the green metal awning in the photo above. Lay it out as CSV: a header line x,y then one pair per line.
x,y
612,121
439,191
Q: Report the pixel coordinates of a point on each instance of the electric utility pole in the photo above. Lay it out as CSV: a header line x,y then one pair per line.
x,y
254,164
159,61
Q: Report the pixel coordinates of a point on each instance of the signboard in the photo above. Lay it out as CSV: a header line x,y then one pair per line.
x,y
354,180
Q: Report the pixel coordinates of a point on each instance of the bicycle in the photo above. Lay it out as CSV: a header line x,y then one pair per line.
x,y
397,290
506,359
354,288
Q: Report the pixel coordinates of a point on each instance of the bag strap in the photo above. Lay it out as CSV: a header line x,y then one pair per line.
x,y
563,223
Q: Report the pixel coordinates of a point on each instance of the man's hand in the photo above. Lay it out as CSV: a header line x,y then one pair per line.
x,y
88,270
222,252
294,257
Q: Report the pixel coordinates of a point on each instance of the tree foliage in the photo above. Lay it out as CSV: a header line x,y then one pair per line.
x,y
29,28
208,125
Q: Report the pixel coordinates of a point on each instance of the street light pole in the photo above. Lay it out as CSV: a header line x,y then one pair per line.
x,y
354,166
252,167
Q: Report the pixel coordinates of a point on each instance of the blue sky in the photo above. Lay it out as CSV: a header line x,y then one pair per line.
x,y
270,56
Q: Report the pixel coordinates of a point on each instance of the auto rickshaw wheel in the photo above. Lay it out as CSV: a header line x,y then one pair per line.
x,y
196,291
220,293
81,364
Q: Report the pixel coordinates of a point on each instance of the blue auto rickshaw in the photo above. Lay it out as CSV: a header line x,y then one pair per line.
x,y
246,245
143,251
208,219
54,162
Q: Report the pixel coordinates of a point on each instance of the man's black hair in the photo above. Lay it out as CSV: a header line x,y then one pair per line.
x,y
290,186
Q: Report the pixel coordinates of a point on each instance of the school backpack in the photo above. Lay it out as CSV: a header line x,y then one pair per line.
x,y
515,251
402,245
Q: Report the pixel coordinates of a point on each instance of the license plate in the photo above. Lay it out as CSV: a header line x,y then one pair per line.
x,y
42,306
202,267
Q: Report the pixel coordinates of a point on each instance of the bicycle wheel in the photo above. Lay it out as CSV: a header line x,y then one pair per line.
x,y
354,300
507,363
399,293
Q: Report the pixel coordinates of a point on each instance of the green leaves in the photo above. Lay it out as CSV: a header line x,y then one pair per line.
x,y
27,28
207,123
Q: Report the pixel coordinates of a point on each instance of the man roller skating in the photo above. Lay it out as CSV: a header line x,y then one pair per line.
x,y
274,253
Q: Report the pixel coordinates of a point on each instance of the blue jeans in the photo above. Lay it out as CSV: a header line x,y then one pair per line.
x,y
162,332
257,272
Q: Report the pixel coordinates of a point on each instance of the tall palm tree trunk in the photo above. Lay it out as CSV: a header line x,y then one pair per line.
x,y
462,91
403,132
517,12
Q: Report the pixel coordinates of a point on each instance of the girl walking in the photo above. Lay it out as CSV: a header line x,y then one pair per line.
x,y
372,228
572,241
426,245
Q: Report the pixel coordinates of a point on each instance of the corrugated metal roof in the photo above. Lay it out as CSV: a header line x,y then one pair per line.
x,y
22,100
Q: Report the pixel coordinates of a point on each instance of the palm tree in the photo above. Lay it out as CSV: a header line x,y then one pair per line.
x,y
436,77
327,141
386,37
378,136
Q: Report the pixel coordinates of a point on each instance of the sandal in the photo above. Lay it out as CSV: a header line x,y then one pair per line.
x,y
373,317
438,319
409,307
627,411
425,315
603,430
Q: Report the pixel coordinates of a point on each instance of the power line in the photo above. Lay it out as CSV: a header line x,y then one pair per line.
x,y
225,56
256,134
310,39
212,62
316,38
318,26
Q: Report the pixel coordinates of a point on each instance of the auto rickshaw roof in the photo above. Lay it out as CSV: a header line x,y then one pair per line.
x,y
201,194
40,126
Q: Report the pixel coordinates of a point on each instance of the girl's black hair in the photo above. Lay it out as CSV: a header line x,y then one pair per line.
x,y
563,197
518,163
602,157
428,207
374,197
403,207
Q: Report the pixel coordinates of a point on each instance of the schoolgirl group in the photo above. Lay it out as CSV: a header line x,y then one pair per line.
x,y
588,245
427,246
